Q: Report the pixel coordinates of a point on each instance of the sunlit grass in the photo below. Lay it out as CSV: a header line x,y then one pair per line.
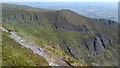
x,y
15,54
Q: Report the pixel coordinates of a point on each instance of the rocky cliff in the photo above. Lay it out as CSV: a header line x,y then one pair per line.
x,y
91,40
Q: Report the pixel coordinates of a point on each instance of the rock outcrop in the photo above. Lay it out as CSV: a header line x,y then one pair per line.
x,y
81,37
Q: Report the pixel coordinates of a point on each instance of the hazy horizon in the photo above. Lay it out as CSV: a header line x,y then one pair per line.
x,y
60,1
107,10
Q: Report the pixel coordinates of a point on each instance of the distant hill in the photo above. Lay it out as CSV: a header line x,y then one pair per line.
x,y
94,41
107,10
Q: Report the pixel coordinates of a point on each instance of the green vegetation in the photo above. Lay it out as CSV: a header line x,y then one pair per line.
x,y
62,54
0,48
15,54
76,47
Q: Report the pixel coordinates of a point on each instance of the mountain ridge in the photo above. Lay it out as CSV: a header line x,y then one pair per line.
x,y
78,36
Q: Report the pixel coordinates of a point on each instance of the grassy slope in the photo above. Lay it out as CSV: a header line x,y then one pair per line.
x,y
34,31
16,55
0,47
38,34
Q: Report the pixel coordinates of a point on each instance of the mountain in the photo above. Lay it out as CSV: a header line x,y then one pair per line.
x,y
107,10
65,33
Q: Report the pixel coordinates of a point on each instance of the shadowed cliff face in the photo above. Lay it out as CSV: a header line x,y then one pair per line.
x,y
92,40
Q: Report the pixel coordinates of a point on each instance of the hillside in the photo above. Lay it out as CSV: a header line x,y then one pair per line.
x,y
84,39
13,54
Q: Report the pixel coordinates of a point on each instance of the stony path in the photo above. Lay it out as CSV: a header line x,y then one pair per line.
x,y
53,60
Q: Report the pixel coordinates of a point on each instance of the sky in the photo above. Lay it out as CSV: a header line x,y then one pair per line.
x,y
60,0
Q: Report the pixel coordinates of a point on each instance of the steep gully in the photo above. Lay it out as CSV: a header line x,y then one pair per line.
x,y
54,60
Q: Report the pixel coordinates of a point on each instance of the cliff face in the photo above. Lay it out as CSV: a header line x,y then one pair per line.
x,y
94,41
